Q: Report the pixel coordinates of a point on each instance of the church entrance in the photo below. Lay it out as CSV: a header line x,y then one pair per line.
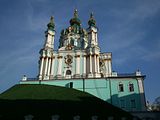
x,y
68,73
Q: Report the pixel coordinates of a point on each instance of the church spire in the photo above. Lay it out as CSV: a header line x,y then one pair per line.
x,y
75,13
92,21
75,20
51,25
50,34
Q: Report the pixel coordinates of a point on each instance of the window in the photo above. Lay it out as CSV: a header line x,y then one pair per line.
x,y
122,103
72,42
121,89
133,103
68,72
75,43
131,87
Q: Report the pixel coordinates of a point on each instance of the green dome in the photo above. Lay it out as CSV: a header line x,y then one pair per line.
x,y
92,21
75,19
51,24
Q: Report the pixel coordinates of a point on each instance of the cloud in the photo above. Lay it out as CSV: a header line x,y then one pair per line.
x,y
150,56
128,34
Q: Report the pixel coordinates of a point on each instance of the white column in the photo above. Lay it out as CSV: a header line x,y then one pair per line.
x,y
109,67
52,67
90,63
84,64
77,57
41,66
92,38
95,64
46,66
96,39
98,64
78,65
59,66
49,66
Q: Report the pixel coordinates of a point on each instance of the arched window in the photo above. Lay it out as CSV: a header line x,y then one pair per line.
x,y
72,42
68,72
131,87
121,89
75,42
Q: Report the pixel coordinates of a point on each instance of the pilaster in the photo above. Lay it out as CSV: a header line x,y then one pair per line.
x,y
98,64
41,67
141,92
49,67
59,72
77,75
46,69
52,68
84,66
90,75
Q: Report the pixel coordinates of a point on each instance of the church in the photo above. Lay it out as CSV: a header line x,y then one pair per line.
x,y
79,64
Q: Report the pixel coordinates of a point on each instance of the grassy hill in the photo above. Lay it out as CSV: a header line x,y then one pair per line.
x,y
41,92
42,101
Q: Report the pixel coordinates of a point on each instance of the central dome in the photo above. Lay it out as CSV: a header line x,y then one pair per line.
x,y
75,19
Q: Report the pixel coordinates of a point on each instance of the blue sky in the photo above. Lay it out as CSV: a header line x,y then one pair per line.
x,y
130,29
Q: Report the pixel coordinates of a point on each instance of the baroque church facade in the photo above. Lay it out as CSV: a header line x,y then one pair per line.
x,y
79,64
78,54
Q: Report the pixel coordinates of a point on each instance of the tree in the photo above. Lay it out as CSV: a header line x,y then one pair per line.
x,y
156,104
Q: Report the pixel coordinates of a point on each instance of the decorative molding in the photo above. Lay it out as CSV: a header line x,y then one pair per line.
x,y
69,47
77,56
53,57
68,59
59,57
84,56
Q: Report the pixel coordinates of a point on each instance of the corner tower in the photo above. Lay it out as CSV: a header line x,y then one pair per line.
x,y
92,32
50,34
93,49
46,53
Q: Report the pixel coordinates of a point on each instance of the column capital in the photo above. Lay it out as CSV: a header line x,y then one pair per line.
x,y
41,57
105,59
53,57
59,57
89,55
77,56
84,56
94,54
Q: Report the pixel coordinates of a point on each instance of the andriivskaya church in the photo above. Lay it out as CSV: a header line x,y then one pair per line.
x,y
79,64
78,54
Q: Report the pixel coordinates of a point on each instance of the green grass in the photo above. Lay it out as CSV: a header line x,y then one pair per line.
x,y
41,92
44,100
